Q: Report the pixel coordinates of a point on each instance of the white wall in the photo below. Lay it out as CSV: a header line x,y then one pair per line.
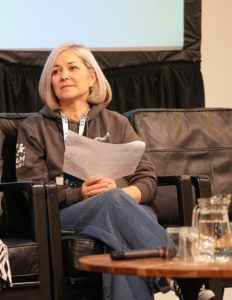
x,y
216,50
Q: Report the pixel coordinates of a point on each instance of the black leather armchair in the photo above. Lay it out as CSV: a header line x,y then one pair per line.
x,y
69,281
169,144
23,223
192,142
42,266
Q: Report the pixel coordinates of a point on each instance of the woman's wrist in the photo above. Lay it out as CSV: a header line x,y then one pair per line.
x,y
133,191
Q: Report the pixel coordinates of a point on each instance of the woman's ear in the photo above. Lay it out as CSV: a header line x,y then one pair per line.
x,y
93,78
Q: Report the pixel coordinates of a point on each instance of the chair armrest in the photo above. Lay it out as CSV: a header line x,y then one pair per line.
x,y
18,185
55,240
202,186
185,199
34,194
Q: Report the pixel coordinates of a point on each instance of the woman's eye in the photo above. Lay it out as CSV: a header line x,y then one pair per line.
x,y
54,72
73,68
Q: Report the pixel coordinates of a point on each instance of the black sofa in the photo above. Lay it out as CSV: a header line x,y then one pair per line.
x,y
187,147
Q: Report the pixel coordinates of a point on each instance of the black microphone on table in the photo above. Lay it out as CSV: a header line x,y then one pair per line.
x,y
143,253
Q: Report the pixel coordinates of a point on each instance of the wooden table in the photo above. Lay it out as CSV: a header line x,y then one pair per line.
x,y
190,275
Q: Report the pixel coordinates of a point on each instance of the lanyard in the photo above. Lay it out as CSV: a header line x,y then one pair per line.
x,y
67,178
65,122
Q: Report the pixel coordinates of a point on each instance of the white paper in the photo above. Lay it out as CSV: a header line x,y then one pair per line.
x,y
85,158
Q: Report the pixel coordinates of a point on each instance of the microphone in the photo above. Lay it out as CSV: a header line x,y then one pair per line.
x,y
143,253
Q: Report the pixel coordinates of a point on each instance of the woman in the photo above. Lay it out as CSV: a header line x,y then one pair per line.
x,y
76,94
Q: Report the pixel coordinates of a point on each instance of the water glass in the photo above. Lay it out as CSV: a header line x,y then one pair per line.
x,y
172,248
183,240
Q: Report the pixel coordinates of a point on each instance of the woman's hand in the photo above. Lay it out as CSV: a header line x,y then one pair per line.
x,y
96,185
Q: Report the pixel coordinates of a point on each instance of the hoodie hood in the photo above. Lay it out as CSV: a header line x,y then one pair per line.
x,y
93,113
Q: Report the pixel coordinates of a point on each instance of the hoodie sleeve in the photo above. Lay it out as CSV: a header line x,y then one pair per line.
x,y
144,176
31,162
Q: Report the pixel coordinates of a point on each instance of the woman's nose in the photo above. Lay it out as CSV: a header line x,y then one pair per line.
x,y
64,75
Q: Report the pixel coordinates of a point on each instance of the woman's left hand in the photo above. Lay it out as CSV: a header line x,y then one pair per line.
x,y
97,185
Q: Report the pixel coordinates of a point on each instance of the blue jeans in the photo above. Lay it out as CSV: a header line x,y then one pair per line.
x,y
120,223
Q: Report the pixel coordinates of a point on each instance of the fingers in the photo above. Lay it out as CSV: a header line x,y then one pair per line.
x,y
98,179
108,181
93,189
93,180
96,185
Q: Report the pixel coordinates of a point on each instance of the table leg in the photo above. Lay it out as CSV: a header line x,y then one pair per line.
x,y
189,287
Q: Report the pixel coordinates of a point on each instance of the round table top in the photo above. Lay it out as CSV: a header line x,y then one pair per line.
x,y
156,267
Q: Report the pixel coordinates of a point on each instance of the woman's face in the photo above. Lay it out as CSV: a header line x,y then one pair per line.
x,y
71,79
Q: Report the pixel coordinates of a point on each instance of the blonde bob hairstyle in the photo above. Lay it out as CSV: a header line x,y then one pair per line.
x,y
100,91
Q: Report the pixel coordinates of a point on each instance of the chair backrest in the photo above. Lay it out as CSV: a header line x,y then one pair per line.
x,y
186,141
11,221
9,123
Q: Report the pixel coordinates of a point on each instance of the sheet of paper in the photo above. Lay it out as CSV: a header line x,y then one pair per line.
x,y
85,158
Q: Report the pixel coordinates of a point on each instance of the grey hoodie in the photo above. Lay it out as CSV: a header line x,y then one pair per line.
x,y
40,150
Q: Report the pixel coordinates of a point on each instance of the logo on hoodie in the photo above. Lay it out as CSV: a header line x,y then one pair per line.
x,y
20,155
102,139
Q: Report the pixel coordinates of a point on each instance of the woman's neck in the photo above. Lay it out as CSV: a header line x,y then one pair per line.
x,y
75,113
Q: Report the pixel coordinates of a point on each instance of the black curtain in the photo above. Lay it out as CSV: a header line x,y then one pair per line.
x,y
160,84
19,88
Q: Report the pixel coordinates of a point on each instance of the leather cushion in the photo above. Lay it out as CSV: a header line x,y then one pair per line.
x,y
23,257
74,248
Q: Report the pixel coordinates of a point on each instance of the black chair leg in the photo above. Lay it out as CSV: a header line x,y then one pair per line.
x,y
217,286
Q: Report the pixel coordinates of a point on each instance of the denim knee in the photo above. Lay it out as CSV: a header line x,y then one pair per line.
x,y
116,197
